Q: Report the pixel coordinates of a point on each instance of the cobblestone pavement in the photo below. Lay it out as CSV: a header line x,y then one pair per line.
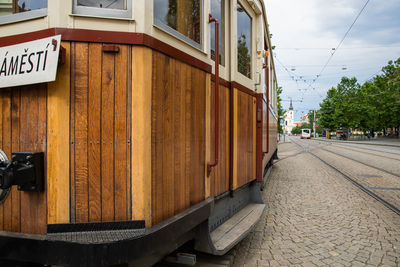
x,y
315,217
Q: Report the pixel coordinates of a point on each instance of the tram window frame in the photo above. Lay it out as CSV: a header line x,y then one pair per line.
x,y
25,15
102,12
164,27
252,20
222,22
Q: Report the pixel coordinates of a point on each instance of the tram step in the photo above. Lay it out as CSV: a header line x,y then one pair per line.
x,y
236,228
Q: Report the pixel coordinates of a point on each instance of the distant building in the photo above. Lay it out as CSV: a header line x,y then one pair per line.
x,y
289,119
304,119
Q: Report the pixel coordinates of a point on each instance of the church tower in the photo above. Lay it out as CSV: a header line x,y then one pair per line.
x,y
291,113
289,119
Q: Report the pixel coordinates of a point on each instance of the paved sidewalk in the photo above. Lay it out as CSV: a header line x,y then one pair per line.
x,y
314,217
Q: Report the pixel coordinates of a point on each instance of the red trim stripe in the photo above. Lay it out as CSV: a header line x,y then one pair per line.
x,y
113,37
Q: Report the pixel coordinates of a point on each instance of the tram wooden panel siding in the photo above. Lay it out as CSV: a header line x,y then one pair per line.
x,y
58,143
178,136
270,131
220,174
23,128
244,138
273,133
100,138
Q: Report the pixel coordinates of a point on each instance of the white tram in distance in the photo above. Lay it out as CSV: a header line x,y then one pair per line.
x,y
305,134
157,129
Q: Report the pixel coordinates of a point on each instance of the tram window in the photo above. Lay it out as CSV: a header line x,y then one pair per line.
x,y
104,8
217,11
181,18
113,4
18,10
243,41
8,7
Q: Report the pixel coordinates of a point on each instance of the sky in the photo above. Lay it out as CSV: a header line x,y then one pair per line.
x,y
305,33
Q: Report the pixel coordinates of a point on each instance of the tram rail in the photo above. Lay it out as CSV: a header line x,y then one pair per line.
x,y
352,180
369,153
361,162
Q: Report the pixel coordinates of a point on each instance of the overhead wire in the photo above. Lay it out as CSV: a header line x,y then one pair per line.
x,y
340,43
310,85
330,48
300,78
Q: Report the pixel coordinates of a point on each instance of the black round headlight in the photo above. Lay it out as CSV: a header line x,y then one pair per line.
x,y
3,192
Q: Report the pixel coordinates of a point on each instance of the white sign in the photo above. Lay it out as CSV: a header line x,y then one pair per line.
x,y
29,63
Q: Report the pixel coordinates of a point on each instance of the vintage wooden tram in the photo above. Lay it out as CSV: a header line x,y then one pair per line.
x,y
143,142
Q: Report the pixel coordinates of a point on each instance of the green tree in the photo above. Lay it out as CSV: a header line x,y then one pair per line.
x,y
296,130
327,111
375,105
346,109
281,111
390,93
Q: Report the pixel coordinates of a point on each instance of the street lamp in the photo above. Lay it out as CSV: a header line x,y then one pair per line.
x,y
314,124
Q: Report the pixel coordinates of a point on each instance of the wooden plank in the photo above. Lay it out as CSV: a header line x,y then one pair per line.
x,y
193,159
27,99
121,134
107,136
168,137
142,131
201,90
185,81
58,97
236,228
15,194
242,162
7,139
81,70
201,113
94,132
72,211
235,139
33,138
179,137
197,143
41,209
214,171
221,162
248,124
244,125
188,132
248,139
209,188
159,80
228,137
241,137
222,141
